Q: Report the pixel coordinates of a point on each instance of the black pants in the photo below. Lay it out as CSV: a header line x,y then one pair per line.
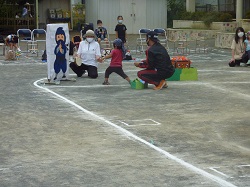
x,y
248,53
117,70
245,58
80,70
153,77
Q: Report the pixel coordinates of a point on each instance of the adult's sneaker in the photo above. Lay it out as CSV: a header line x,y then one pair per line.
x,y
243,64
161,85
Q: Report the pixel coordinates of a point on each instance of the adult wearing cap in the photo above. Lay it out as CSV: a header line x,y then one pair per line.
x,y
158,64
89,53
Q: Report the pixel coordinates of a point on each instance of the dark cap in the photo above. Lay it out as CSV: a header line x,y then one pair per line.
x,y
152,35
118,42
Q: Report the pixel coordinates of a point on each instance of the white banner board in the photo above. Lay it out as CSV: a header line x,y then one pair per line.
x,y
57,49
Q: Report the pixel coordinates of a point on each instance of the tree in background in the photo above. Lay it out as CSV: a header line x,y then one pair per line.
x,y
7,10
175,9
78,15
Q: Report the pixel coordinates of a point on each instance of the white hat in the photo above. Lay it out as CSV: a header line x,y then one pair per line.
x,y
89,33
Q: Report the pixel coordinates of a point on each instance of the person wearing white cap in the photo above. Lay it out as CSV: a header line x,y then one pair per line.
x,y
89,53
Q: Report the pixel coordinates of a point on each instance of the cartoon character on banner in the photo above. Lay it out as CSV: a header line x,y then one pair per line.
x,y
60,52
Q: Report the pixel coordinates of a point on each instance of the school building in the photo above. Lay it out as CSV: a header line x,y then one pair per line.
x,y
238,7
136,13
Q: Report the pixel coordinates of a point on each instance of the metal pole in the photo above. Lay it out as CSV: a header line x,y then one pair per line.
x,y
71,17
37,24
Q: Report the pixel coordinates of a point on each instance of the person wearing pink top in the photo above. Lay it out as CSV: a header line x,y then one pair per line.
x,y
116,55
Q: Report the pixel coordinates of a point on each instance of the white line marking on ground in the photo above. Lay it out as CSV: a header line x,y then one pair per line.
x,y
215,170
125,85
245,176
2,169
202,83
131,135
15,63
227,90
216,70
124,123
233,82
139,122
215,87
243,166
135,70
90,86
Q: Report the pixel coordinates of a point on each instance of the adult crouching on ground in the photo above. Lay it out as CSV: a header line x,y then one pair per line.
x,y
158,64
89,52
238,48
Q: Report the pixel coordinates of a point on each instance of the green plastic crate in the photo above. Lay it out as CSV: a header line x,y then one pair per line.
x,y
176,75
138,85
189,74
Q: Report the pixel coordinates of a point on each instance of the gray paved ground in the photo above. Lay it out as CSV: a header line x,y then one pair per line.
x,y
194,133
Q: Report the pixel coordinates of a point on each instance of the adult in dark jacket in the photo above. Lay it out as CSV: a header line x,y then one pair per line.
x,y
158,64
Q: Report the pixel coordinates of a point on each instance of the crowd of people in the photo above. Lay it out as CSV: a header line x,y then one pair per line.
x,y
157,65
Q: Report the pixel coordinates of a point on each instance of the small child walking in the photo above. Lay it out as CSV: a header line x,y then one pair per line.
x,y
116,55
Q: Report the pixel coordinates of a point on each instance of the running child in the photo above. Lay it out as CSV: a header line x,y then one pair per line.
x,y
116,55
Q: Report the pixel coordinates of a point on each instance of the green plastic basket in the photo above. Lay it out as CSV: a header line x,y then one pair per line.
x,y
176,75
189,74
138,85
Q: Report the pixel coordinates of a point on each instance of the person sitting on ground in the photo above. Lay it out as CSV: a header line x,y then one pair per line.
x,y
158,64
116,55
73,47
89,52
101,32
238,48
76,41
12,42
